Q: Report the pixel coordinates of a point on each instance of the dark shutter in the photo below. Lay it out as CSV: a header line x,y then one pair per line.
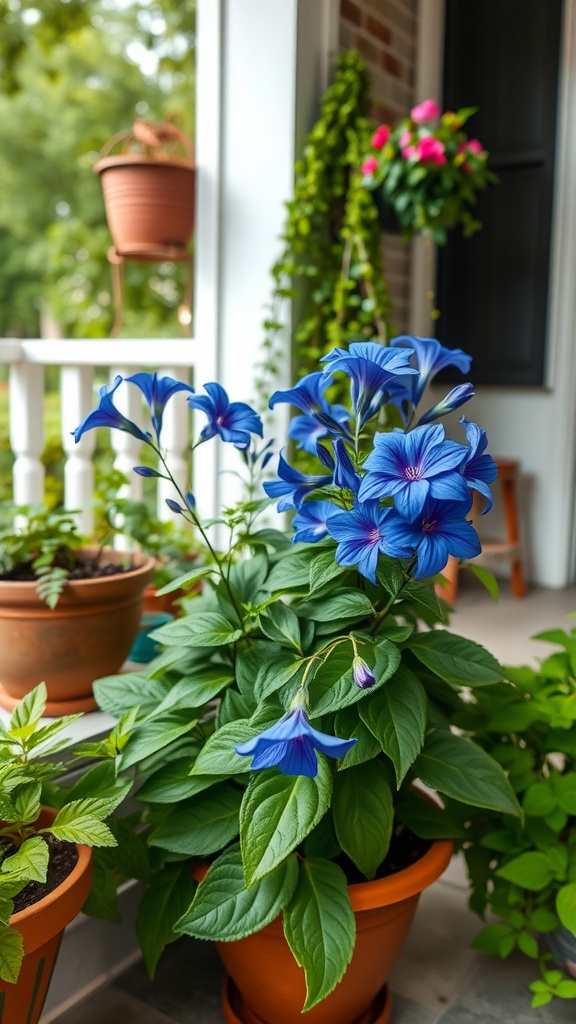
x,y
492,289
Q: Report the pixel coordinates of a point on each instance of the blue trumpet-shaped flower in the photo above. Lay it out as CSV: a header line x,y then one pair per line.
x,y
233,421
453,400
478,469
430,357
293,486
362,533
310,521
372,369
440,529
107,415
291,744
410,467
157,390
308,395
307,430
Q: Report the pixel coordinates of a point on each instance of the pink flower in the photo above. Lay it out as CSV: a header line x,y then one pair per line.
x,y
381,136
474,146
370,165
430,151
405,139
425,111
409,152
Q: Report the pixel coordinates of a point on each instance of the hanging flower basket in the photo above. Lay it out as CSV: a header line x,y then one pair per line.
x,y
149,189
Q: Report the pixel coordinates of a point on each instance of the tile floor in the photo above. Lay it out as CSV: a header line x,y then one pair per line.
x,y
439,979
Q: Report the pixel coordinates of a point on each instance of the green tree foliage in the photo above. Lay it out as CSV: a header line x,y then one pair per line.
x,y
75,73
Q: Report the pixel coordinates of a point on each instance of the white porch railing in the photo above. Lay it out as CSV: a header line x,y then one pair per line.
x,y
78,360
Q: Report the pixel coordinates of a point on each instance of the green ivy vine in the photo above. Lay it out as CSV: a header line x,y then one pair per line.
x,y
331,261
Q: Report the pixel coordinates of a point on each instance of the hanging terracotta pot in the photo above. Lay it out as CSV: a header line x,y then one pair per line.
x,y
149,189
87,635
266,986
41,926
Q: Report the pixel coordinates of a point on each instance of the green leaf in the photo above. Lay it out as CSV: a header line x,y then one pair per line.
x,y
273,675
195,690
225,910
539,800
121,693
280,624
277,813
291,572
455,659
427,820
528,945
345,603
320,928
420,592
11,953
333,686
203,629
173,782
363,813
201,825
218,756
79,822
348,725
154,735
457,767
566,906
487,579
530,871
396,716
103,781
30,860
496,938
29,710
566,989
27,802
323,569
102,899
187,580
165,900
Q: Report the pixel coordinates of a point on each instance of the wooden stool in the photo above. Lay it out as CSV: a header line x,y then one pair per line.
x,y
494,550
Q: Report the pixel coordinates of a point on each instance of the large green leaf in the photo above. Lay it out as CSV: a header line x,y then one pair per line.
x,y
319,927
272,675
205,629
11,953
455,659
345,603
154,735
363,813
30,860
457,767
291,572
280,624
29,710
165,900
225,910
218,756
566,906
277,813
323,569
348,725
396,716
530,870
333,686
173,782
201,825
120,693
195,690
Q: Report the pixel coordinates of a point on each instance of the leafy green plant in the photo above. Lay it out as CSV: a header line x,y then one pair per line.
x,y
307,687
332,242
28,771
524,871
42,540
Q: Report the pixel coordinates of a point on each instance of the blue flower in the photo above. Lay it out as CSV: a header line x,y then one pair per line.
x,y
430,358
478,469
157,390
362,534
453,400
107,415
308,395
345,476
362,674
233,421
291,744
372,368
310,521
440,529
410,467
307,430
293,486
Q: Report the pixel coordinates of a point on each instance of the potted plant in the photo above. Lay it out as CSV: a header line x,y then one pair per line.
x,y
278,737
68,612
524,872
148,190
428,172
45,855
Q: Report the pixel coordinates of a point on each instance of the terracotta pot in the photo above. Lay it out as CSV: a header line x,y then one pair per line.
x,y
41,927
270,986
235,1012
87,635
149,196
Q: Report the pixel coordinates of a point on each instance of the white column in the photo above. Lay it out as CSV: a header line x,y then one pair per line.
x,y
77,400
27,432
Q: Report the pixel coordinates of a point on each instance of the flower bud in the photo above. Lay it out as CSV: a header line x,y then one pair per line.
x,y
362,674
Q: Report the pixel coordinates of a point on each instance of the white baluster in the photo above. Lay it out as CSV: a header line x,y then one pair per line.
x,y
128,400
176,442
77,400
27,432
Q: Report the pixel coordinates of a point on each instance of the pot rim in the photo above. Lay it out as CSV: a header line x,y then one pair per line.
x,y
128,159
147,565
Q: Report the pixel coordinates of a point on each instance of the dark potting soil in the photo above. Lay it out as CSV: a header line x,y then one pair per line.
x,y
82,571
405,849
63,859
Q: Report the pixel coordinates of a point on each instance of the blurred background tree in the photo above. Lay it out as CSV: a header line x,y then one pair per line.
x,y
73,73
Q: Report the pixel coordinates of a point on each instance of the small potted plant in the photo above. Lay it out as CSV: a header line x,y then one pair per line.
x,y
428,172
524,872
279,736
148,189
45,855
68,612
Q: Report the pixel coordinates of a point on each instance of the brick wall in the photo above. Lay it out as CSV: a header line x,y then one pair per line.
x,y
384,33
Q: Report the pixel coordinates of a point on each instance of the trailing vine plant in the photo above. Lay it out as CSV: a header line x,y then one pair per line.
x,y
331,259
